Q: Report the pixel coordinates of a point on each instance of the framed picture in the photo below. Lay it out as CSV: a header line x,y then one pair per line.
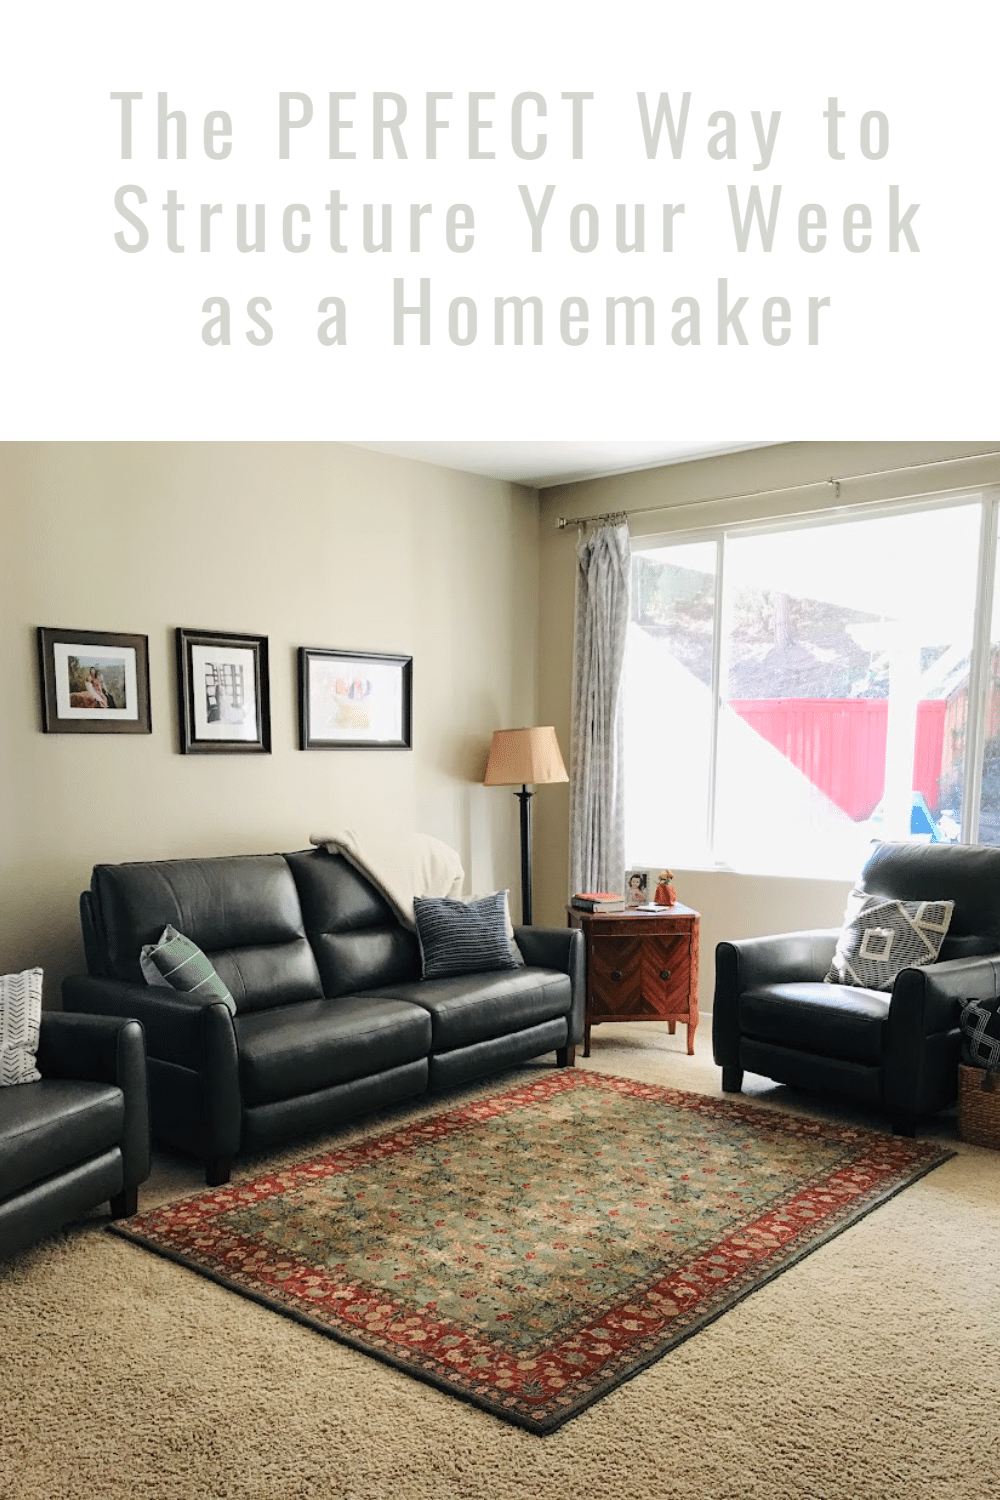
x,y
225,701
637,887
94,682
354,700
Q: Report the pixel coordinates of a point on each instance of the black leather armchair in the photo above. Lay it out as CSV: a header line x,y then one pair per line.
x,y
80,1135
896,1052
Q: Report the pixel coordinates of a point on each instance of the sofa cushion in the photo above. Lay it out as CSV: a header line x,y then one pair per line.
x,y
838,1021
180,965
358,942
968,874
299,1049
52,1125
463,937
260,977
477,1007
238,901
20,1016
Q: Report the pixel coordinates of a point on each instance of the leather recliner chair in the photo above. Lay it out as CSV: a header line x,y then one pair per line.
x,y
79,1136
896,1052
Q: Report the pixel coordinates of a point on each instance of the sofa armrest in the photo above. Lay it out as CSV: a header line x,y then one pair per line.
x,y
929,999
103,1049
785,958
923,1038
179,1028
747,963
181,1032
559,948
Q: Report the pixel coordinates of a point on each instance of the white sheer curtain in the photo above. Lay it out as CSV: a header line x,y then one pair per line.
x,y
597,824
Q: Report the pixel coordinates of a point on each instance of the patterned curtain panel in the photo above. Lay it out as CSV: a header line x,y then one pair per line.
x,y
597,825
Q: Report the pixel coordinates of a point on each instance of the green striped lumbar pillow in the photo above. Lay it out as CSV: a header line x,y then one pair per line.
x,y
179,963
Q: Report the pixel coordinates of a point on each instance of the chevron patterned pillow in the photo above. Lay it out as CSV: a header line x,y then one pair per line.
x,y
881,937
20,1015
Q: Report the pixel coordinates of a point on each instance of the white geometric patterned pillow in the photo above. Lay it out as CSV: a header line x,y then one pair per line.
x,y
20,1015
881,937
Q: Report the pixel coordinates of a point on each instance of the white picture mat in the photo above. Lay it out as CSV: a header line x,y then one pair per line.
x,y
335,717
202,657
94,655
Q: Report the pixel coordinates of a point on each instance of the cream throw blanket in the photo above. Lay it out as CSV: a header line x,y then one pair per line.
x,y
400,865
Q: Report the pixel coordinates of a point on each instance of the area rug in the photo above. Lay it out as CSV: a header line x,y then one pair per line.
x,y
532,1250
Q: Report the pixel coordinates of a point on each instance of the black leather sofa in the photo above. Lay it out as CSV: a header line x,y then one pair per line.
x,y
332,1018
896,1052
77,1137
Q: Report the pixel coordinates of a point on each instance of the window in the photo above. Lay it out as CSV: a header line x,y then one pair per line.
x,y
795,691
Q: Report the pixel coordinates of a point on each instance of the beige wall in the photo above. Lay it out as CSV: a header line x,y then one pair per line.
x,y
686,497
310,544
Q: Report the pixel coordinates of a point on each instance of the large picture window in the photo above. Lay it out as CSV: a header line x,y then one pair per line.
x,y
795,691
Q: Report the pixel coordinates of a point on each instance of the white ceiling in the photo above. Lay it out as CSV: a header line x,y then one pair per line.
x,y
545,464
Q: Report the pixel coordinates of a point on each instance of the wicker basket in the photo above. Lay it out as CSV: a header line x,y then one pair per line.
x,y
978,1108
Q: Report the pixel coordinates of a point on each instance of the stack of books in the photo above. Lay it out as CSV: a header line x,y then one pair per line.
x,y
597,901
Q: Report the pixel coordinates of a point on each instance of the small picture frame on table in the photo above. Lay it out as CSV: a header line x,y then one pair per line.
x,y
354,700
637,889
93,682
224,694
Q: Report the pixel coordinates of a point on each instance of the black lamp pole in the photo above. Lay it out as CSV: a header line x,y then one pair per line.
x,y
524,797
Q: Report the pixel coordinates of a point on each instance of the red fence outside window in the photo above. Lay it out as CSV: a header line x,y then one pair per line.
x,y
839,744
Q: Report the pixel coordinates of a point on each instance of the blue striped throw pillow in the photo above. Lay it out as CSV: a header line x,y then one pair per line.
x,y
179,963
463,937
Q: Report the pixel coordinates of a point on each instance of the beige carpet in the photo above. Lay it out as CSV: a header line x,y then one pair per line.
x,y
871,1369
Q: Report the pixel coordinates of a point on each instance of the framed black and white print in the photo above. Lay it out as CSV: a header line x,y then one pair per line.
x,y
354,700
94,682
222,681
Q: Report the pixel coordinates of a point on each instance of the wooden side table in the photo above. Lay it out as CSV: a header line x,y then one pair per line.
x,y
641,967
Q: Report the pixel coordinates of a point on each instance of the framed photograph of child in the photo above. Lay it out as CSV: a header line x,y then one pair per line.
x,y
637,890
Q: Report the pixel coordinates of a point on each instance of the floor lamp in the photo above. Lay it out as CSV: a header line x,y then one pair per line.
x,y
524,755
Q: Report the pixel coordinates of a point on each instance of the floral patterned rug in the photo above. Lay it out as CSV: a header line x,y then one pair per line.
x,y
532,1250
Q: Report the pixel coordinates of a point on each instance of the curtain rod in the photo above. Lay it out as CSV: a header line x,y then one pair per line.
x,y
617,516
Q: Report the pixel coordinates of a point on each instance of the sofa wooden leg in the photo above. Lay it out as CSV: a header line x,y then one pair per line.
x,y
732,1080
217,1170
566,1057
125,1203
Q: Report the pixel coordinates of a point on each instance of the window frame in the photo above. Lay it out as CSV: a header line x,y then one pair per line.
x,y
988,497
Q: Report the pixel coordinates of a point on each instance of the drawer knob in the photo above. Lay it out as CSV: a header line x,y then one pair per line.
x,y
616,973
664,973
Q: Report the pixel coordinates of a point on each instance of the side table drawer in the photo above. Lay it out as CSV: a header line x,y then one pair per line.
x,y
645,978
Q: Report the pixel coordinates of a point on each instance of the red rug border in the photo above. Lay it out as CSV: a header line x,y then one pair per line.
x,y
452,1119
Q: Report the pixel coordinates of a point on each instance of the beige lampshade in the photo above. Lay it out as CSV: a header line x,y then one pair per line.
x,y
519,756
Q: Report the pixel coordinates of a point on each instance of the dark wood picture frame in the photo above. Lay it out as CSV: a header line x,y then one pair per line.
x,y
219,713
80,688
368,705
